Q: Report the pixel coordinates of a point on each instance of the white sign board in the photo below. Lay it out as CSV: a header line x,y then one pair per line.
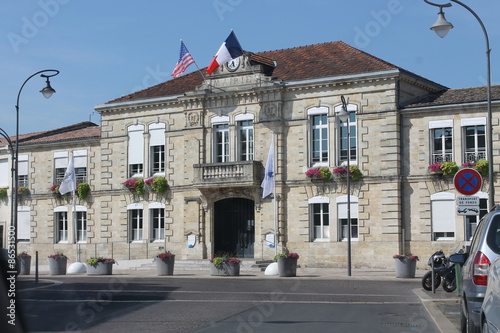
x,y
468,200
467,210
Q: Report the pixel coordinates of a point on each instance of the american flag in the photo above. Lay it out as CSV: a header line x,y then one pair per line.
x,y
185,60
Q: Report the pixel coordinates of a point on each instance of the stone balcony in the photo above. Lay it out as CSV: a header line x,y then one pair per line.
x,y
247,173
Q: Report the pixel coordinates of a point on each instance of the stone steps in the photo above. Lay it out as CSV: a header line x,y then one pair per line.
x,y
191,265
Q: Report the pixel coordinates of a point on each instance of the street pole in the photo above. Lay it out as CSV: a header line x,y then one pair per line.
x,y
441,27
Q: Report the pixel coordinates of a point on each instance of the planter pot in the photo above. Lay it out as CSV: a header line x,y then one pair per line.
x,y
287,267
165,267
58,266
102,268
24,265
405,268
225,269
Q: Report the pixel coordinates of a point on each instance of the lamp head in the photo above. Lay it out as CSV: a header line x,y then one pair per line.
x,y
441,27
48,91
342,114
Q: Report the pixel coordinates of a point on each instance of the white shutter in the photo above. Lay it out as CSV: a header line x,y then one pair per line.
x,y
136,144
23,222
4,173
443,215
157,135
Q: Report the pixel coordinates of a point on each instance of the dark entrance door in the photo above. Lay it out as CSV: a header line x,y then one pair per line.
x,y
234,227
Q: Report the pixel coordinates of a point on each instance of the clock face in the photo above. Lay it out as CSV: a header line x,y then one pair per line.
x,y
233,64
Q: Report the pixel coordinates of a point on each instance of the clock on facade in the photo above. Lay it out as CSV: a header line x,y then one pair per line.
x,y
233,64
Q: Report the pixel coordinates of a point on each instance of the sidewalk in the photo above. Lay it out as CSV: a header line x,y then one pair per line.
x,y
443,307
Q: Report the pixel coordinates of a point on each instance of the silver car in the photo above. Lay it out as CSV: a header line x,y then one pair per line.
x,y
485,247
490,310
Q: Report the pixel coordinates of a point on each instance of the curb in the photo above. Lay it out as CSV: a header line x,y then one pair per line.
x,y
443,323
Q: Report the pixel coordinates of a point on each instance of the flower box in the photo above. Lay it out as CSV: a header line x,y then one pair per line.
x,y
221,266
287,264
135,185
57,264
405,265
100,266
165,264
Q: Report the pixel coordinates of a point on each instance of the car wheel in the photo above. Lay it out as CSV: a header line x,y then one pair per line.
x,y
466,324
485,327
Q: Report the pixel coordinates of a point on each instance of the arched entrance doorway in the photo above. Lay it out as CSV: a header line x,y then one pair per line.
x,y
234,227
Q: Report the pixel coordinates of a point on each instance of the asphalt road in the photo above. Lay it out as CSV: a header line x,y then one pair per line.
x,y
224,304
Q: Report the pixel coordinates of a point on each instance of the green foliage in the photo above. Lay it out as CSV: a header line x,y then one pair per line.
x,y
3,193
355,173
482,167
158,184
449,168
82,190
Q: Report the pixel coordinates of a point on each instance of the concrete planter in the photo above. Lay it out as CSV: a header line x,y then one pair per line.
x,y
405,268
24,263
57,265
102,268
287,267
226,269
165,267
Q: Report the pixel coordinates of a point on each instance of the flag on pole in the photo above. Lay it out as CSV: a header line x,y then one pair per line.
x,y
185,60
69,182
228,51
268,182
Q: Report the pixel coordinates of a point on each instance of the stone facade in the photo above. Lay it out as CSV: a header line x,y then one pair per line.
x,y
391,204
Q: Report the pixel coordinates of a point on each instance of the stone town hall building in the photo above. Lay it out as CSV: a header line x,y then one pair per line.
x,y
209,137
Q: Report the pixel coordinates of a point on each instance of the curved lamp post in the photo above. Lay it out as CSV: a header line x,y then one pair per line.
x,y
47,92
343,116
441,27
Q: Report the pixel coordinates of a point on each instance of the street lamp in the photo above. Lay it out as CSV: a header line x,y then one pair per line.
x,y
343,116
47,92
441,27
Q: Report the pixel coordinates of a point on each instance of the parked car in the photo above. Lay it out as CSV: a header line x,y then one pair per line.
x,y
490,310
484,248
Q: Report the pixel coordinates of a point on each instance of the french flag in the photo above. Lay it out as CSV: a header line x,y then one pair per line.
x,y
228,51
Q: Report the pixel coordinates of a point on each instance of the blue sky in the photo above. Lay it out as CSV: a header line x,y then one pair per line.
x,y
107,49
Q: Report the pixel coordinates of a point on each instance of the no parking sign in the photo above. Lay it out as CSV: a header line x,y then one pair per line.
x,y
468,181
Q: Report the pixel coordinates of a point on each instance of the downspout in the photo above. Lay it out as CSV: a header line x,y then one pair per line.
x,y
400,171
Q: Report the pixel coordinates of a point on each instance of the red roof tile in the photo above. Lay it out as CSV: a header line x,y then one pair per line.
x,y
298,63
83,130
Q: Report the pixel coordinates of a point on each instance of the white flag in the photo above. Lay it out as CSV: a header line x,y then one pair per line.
x,y
69,182
268,182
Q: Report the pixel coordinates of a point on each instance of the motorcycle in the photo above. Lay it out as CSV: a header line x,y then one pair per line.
x,y
443,270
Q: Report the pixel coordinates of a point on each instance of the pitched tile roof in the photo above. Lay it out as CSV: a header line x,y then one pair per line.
x,y
80,131
457,96
298,63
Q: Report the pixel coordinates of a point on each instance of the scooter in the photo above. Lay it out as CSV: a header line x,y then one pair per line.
x,y
443,270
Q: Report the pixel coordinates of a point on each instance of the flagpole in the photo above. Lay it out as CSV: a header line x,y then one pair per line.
x,y
194,61
75,232
276,235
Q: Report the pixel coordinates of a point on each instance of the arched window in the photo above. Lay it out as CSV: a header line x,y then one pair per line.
x,y
319,216
443,216
318,136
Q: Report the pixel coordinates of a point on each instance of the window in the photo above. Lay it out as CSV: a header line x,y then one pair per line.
x,y
472,220
157,148
157,216
221,139
318,118
60,165
135,218
347,149
23,224
81,224
320,218
443,216
343,219
135,151
22,171
474,139
80,164
441,133
61,220
245,139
